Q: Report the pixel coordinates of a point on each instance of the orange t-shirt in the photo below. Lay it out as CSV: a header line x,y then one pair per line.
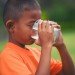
x,y
15,60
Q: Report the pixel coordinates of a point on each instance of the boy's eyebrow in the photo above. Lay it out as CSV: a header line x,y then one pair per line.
x,y
33,21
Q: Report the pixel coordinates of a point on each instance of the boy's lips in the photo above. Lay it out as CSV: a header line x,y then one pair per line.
x,y
32,39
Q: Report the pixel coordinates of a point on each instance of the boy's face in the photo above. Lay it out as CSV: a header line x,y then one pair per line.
x,y
23,28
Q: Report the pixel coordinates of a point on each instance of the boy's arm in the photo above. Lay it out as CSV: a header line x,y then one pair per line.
x,y
46,40
12,64
67,63
44,64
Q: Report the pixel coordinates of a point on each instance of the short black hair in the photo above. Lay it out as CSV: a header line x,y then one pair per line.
x,y
14,8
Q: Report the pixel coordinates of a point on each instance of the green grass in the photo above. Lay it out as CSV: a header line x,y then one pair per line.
x,y
2,45
69,39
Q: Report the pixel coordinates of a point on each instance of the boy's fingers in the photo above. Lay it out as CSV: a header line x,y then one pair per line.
x,y
43,25
57,26
52,23
48,26
39,26
52,29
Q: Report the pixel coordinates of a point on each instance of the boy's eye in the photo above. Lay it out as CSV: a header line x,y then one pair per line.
x,y
30,25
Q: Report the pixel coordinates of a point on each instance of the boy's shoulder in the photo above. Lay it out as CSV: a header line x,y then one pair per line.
x,y
15,51
10,51
35,50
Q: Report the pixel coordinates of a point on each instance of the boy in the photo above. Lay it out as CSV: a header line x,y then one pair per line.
x,y
16,58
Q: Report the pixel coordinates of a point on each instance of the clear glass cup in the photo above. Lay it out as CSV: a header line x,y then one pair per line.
x,y
35,27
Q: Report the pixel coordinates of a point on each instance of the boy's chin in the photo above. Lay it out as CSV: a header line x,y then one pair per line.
x,y
30,42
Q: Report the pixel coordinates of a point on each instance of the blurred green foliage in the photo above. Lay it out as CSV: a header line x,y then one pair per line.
x,y
61,11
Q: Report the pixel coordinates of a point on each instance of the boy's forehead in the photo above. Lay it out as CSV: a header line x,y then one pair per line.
x,y
32,15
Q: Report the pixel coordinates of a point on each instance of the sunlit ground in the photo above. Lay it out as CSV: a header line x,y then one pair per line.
x,y
69,39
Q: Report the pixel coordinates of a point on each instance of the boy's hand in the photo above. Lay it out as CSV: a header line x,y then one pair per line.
x,y
46,34
46,38
54,24
59,41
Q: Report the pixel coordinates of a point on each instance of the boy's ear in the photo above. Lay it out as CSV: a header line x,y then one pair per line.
x,y
10,26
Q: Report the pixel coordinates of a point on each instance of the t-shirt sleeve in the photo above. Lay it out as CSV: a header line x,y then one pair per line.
x,y
55,67
12,65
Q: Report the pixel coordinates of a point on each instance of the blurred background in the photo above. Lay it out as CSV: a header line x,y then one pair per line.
x,y
60,11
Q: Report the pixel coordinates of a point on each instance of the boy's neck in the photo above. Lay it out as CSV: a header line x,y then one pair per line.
x,y
17,43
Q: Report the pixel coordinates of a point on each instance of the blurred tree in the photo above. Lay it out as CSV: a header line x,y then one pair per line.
x,y
59,10
2,2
